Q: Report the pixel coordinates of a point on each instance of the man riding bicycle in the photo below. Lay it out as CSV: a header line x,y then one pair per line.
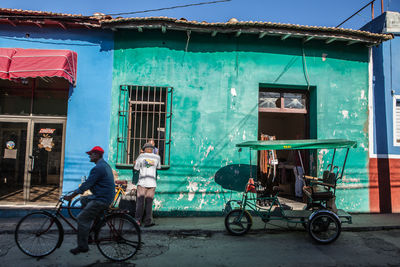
x,y
101,183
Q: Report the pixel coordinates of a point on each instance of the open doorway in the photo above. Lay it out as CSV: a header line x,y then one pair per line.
x,y
283,115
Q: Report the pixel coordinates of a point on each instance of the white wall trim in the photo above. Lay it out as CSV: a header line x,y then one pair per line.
x,y
370,105
384,156
395,98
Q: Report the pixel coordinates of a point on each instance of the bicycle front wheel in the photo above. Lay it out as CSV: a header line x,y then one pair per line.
x,y
238,222
74,207
38,234
118,238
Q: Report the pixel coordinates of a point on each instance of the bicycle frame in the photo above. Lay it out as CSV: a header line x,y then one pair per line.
x,y
120,190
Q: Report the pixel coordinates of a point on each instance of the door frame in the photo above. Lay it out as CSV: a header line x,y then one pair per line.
x,y
31,120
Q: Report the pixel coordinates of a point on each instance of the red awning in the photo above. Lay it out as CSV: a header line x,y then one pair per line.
x,y
6,55
32,63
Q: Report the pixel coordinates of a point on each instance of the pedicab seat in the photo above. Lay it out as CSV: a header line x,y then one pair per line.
x,y
317,195
321,189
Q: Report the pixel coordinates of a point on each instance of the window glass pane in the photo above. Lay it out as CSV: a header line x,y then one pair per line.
x,y
295,101
269,100
15,97
51,97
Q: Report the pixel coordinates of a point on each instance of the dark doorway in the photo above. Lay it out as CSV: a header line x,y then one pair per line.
x,y
283,115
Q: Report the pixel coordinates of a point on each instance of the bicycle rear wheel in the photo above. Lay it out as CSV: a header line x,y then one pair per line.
x,y
38,234
118,238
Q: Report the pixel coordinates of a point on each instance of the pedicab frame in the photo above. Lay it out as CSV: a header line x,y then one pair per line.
x,y
322,224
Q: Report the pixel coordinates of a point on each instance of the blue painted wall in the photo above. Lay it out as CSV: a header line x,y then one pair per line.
x,y
88,118
386,84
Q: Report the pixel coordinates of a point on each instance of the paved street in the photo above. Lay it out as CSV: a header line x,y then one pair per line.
x,y
269,248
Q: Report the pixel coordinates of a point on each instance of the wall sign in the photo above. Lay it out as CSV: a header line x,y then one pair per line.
x,y
10,145
10,153
46,140
46,131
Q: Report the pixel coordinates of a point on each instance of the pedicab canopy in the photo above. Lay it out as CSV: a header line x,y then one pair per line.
x,y
298,144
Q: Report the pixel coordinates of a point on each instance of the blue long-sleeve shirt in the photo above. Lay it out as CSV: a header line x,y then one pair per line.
x,y
100,182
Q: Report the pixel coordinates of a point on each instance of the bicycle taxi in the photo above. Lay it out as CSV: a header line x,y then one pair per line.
x,y
322,221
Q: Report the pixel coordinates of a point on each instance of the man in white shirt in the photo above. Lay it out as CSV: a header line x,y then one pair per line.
x,y
147,164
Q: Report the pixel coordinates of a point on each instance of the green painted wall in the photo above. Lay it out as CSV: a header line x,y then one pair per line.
x,y
208,120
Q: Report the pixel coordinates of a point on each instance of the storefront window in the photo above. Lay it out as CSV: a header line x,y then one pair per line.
x,y
34,96
50,97
15,97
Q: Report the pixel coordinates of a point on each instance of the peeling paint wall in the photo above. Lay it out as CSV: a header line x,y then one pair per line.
x,y
215,105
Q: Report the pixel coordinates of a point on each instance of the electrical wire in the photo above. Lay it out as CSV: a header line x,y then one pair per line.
x,y
168,8
305,71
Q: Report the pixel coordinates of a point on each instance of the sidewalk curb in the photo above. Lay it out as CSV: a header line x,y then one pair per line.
x,y
209,233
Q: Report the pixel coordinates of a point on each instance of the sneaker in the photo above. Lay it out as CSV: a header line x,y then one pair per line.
x,y
149,224
78,250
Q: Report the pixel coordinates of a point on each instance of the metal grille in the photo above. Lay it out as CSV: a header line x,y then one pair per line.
x,y
397,122
144,114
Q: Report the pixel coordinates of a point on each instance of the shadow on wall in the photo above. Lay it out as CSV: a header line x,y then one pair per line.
x,y
205,43
48,38
235,176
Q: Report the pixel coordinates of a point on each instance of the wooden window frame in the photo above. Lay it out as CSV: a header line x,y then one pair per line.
x,y
282,109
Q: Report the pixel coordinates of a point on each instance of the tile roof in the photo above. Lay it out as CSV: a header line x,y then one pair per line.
x,y
31,16
249,27
37,13
253,27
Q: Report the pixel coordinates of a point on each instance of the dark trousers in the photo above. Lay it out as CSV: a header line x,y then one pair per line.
x,y
144,200
91,209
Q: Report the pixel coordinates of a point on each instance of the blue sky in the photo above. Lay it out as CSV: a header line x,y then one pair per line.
x,y
305,12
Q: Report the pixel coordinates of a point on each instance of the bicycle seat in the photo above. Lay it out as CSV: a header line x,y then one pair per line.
x,y
121,182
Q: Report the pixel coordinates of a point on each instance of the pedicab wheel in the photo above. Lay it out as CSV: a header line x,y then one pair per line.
x,y
38,234
118,237
324,227
238,222
311,206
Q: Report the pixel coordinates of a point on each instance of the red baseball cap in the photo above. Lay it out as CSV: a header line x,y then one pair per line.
x,y
96,149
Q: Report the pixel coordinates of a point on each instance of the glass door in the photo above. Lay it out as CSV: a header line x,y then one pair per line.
x,y
13,142
45,161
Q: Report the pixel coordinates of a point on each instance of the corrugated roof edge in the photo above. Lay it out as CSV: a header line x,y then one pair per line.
x,y
170,22
108,22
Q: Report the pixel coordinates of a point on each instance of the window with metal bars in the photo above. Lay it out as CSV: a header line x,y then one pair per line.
x,y
396,120
144,114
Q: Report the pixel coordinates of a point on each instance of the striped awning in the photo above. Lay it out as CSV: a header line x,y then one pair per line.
x,y
16,63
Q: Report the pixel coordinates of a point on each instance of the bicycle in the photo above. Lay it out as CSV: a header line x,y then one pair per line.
x,y
116,234
74,205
